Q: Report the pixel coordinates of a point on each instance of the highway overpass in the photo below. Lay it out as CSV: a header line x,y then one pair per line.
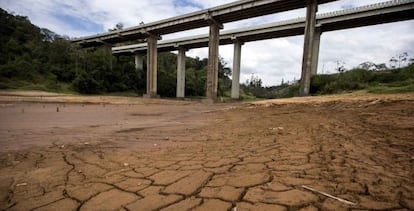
x,y
214,18
311,26
234,11
385,12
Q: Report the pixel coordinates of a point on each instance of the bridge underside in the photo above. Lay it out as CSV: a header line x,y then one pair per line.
x,y
235,11
263,33
311,26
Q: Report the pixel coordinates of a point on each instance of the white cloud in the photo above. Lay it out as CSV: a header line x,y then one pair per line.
x,y
211,3
272,60
374,43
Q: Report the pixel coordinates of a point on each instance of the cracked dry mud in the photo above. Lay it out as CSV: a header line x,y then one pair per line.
x,y
190,156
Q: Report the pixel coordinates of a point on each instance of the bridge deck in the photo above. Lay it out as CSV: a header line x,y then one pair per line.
x,y
392,11
235,11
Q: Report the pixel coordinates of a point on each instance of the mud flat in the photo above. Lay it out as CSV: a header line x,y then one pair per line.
x,y
116,153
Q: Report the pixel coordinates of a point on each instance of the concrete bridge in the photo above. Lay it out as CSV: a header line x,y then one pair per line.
x,y
310,26
385,12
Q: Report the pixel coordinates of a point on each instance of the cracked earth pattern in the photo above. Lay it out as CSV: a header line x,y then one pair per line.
x,y
220,157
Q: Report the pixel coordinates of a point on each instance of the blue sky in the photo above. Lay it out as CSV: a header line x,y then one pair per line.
x,y
278,59
79,23
187,3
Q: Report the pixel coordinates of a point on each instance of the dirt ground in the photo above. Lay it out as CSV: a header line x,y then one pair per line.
x,y
62,152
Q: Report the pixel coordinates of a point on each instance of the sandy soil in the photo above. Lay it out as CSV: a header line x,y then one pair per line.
x,y
115,153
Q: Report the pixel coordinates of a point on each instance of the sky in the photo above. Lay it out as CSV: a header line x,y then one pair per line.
x,y
271,60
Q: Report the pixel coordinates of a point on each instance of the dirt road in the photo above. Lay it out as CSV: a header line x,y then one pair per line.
x,y
113,153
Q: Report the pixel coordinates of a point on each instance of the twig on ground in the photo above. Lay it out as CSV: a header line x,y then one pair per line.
x,y
329,195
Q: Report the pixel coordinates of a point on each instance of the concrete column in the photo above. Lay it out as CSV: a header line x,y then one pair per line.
x,y
181,73
108,49
235,84
312,7
213,62
152,58
139,61
316,45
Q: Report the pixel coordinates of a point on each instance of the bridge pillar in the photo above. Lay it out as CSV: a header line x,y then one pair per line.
x,y
152,57
312,7
235,84
213,61
139,61
108,50
181,73
316,45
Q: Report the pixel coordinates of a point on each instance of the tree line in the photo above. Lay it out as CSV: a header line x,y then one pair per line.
x,y
37,58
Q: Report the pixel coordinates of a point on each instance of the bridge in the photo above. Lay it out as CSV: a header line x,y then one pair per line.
x,y
214,19
235,11
312,26
385,12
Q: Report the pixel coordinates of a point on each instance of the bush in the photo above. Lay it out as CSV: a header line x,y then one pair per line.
x,y
85,84
358,79
348,81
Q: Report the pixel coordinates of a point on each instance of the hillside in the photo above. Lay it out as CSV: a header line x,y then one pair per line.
x,y
384,81
32,58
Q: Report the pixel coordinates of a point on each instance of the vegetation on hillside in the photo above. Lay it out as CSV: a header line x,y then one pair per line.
x,y
358,79
36,58
375,78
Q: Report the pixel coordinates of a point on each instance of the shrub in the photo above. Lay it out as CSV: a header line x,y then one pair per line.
x,y
85,84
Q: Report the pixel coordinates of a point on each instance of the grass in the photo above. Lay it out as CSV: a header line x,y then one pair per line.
x,y
387,89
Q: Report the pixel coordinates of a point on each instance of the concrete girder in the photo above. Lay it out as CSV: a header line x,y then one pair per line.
x,y
210,19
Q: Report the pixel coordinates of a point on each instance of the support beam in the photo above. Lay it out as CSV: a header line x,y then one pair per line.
x,y
139,61
213,62
235,84
305,80
152,58
108,50
181,73
315,56
211,21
